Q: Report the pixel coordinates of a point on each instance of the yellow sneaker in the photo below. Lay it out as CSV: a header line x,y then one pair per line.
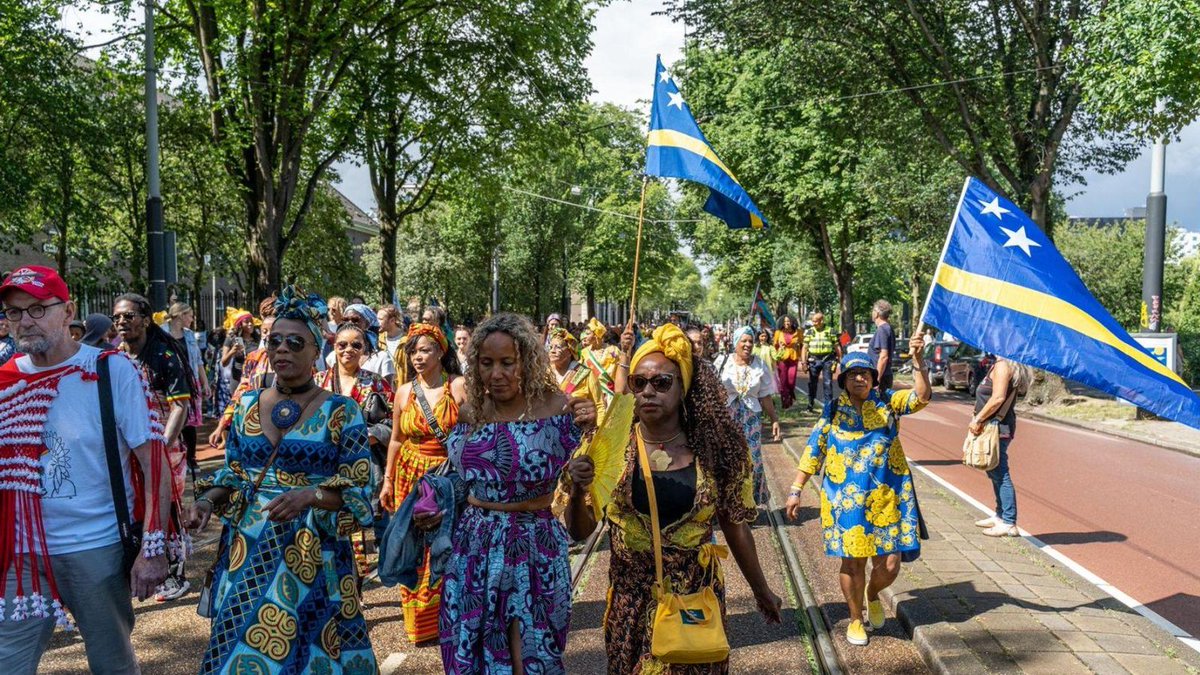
x,y
875,614
856,634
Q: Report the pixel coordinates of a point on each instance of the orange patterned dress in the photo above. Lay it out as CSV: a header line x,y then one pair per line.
x,y
421,451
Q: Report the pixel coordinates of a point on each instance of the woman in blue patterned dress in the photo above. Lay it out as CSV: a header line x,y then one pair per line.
x,y
868,506
285,587
506,598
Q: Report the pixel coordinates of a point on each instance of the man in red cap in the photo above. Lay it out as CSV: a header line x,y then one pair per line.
x,y
65,557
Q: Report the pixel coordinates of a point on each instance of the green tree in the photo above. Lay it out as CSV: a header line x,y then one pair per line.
x,y
464,82
987,80
276,79
1133,55
323,261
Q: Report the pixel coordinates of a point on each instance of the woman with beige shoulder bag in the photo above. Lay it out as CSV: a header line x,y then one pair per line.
x,y
995,403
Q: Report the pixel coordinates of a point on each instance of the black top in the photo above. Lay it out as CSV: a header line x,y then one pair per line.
x,y
884,338
674,492
1008,423
169,375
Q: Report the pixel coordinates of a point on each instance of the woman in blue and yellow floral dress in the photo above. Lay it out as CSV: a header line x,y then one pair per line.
x,y
285,586
868,506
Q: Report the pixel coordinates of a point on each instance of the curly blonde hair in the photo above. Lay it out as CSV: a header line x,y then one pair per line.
x,y
536,382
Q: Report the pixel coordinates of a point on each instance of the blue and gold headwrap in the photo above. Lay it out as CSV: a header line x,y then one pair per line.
x,y
311,309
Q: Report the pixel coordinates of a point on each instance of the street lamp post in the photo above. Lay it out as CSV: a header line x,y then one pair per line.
x,y
154,215
1156,235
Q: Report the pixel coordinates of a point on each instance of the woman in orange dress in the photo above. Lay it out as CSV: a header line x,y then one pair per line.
x,y
417,446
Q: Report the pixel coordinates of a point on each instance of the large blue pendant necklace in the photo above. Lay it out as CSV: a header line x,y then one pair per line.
x,y
287,411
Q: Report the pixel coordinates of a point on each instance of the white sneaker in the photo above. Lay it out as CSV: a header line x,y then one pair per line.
x,y
990,521
172,589
1002,530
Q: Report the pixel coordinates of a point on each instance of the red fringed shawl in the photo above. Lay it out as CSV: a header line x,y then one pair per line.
x,y
26,399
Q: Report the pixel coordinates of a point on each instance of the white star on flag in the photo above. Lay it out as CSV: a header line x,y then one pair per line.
x,y
663,76
676,99
993,207
1020,240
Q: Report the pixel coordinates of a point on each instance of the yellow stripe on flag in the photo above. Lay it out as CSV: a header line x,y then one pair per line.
x,y
1045,307
669,138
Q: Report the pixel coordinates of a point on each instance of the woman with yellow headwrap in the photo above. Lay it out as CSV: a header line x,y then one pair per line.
x,y
418,445
700,468
575,379
606,361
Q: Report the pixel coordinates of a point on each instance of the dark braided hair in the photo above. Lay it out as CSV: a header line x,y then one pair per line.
x,y
717,440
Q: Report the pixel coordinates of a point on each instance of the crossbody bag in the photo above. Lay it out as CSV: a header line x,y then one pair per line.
x,y
687,629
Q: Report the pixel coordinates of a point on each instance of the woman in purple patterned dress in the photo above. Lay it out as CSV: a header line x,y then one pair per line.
x,y
506,598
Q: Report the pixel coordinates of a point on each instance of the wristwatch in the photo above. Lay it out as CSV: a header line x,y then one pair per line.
x,y
319,497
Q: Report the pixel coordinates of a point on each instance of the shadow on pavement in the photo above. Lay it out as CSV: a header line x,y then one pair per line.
x,y
961,601
1102,536
1182,605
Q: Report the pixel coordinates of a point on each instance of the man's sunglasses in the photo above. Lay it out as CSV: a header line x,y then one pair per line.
x,y
294,342
343,345
662,382
124,316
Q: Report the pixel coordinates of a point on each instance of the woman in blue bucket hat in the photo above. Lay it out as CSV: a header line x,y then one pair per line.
x,y
868,505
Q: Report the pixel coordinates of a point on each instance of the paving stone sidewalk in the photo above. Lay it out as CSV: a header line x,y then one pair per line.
x,y
977,604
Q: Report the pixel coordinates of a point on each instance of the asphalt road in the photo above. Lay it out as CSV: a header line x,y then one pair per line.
x,y
1129,512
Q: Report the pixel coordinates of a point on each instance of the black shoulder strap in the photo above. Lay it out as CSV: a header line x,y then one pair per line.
x,y
116,475
427,411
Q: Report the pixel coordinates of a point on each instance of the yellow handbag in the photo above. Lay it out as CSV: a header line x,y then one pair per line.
x,y
687,629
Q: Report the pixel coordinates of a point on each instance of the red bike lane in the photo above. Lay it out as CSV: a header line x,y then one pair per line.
x,y
1128,512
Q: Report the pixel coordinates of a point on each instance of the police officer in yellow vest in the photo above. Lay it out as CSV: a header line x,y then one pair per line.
x,y
821,351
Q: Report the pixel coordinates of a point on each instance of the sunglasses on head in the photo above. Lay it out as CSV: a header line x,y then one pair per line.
x,y
343,345
294,342
662,382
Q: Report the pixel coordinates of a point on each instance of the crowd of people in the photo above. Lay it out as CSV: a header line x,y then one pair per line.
x,y
456,449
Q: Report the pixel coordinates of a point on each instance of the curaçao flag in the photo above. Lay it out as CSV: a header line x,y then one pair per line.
x,y
1003,287
678,149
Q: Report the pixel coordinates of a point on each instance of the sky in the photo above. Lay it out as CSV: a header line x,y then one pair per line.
x,y
627,36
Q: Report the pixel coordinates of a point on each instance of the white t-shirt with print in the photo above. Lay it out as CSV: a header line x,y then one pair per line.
x,y
77,504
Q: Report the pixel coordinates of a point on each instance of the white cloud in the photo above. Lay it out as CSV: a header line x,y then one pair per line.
x,y
627,36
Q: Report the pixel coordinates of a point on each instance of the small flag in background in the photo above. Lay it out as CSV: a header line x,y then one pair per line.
x,y
759,307
1003,287
678,149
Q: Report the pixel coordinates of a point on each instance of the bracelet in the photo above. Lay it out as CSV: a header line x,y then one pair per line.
x,y
202,498
796,488
153,544
623,365
793,493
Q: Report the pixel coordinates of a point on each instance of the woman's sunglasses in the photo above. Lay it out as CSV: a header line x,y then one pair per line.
x,y
662,382
294,342
343,346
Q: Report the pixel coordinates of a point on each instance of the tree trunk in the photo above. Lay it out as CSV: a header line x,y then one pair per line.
x,y
845,291
388,230
591,301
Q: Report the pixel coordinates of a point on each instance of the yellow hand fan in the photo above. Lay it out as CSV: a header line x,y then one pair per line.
x,y
607,450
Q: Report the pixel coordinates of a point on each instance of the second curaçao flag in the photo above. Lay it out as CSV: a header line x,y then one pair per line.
x,y
1002,286
678,149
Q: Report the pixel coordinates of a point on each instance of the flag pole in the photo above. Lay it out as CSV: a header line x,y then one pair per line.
x,y
942,258
637,254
